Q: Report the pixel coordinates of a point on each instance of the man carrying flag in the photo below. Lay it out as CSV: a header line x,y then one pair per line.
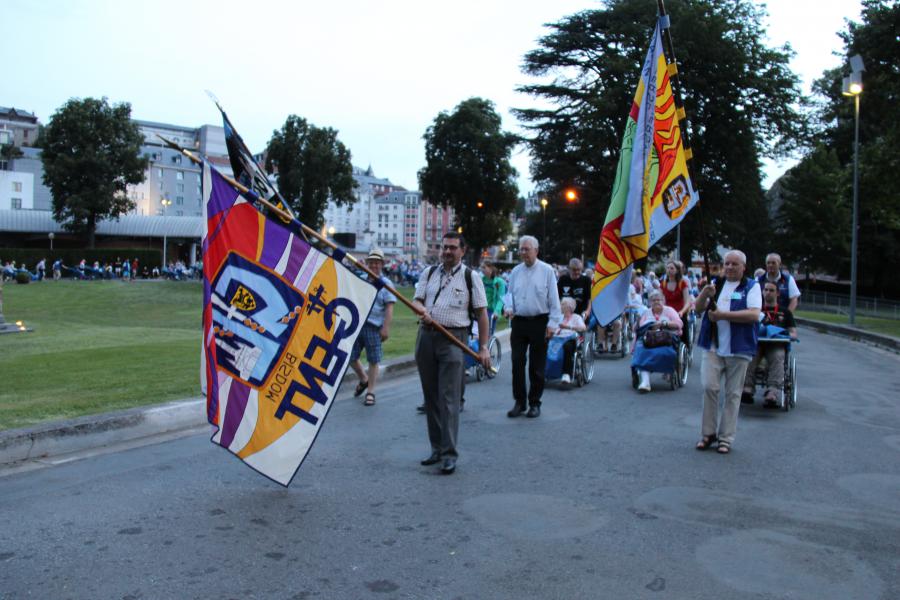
x,y
652,190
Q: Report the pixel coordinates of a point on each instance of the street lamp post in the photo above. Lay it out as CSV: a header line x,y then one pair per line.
x,y
165,203
853,87
544,203
51,235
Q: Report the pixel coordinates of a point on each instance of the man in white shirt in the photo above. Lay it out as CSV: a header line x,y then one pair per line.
x,y
532,303
728,333
788,292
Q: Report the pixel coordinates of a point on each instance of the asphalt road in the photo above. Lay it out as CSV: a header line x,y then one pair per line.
x,y
602,497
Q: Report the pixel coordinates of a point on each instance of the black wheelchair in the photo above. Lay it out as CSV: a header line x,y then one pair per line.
x,y
787,396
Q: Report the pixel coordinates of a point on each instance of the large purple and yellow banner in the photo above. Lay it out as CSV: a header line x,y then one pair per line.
x,y
652,191
279,321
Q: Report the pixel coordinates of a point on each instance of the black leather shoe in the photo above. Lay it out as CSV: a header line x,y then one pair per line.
x,y
746,398
434,459
517,411
421,408
449,466
534,412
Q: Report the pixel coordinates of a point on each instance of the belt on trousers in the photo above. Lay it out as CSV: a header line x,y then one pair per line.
x,y
532,318
451,329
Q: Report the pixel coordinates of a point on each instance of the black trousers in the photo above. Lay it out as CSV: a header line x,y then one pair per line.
x,y
529,338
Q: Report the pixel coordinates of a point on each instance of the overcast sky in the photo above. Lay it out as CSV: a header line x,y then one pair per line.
x,y
378,72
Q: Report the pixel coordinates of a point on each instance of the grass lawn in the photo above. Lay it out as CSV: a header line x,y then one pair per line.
x,y
876,325
105,345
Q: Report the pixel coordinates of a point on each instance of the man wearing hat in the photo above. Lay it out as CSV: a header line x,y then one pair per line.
x,y
375,330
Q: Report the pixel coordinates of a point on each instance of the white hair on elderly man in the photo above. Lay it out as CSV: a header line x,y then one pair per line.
x,y
531,239
741,256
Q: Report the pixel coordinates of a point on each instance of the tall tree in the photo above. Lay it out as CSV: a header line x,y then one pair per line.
x,y
814,215
467,168
875,39
91,151
312,167
740,96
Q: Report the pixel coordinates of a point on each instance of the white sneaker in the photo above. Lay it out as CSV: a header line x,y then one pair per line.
x,y
566,378
644,388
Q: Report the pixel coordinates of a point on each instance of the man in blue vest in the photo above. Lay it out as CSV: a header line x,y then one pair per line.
x,y
728,334
788,292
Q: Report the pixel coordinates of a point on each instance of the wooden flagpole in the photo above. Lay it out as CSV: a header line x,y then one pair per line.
x,y
315,234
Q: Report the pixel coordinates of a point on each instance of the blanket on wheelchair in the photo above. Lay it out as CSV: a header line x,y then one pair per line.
x,y
655,360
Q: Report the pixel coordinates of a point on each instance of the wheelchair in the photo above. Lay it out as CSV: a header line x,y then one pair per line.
x,y
691,335
476,369
672,359
582,361
787,397
622,342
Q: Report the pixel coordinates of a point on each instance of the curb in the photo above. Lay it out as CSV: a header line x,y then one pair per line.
x,y
886,342
57,438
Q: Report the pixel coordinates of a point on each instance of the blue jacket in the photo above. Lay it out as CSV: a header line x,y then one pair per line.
x,y
743,335
784,294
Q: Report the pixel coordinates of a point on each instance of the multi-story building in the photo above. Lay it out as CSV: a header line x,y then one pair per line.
x,y
16,190
17,127
360,218
436,221
172,177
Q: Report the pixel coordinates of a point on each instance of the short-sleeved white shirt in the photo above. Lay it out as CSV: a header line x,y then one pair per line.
x,y
452,294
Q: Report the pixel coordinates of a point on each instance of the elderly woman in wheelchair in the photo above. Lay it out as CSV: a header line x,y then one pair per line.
x,y
570,330
659,348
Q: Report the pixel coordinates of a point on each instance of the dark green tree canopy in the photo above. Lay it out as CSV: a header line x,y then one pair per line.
x,y
467,168
742,101
814,217
91,152
875,38
312,167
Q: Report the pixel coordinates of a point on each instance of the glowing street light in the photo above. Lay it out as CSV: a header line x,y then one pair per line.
x,y
571,195
544,203
165,203
853,87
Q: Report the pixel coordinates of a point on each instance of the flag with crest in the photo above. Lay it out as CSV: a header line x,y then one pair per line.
x,y
279,322
652,191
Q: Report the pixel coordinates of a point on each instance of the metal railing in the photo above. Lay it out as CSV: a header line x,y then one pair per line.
x,y
840,303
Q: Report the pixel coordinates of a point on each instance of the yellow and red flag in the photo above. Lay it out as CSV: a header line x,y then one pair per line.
x,y
652,190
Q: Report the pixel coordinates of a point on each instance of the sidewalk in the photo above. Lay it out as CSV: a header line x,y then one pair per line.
x,y
59,438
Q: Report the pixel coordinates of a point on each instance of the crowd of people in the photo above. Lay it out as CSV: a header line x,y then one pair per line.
x,y
123,269
543,301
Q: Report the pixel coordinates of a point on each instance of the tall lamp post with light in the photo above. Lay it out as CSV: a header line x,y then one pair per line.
x,y
165,203
544,203
852,86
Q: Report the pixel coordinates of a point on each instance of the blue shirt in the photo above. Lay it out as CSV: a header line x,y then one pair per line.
x,y
382,299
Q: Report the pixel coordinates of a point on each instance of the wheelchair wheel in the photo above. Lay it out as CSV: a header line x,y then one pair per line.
x,y
623,339
496,354
790,400
587,364
683,365
635,379
578,368
479,372
593,343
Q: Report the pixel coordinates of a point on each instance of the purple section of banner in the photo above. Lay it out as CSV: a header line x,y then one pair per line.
x,y
299,250
234,412
222,196
275,238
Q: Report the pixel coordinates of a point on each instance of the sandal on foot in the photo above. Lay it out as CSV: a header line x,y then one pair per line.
x,y
706,442
360,388
370,399
724,448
